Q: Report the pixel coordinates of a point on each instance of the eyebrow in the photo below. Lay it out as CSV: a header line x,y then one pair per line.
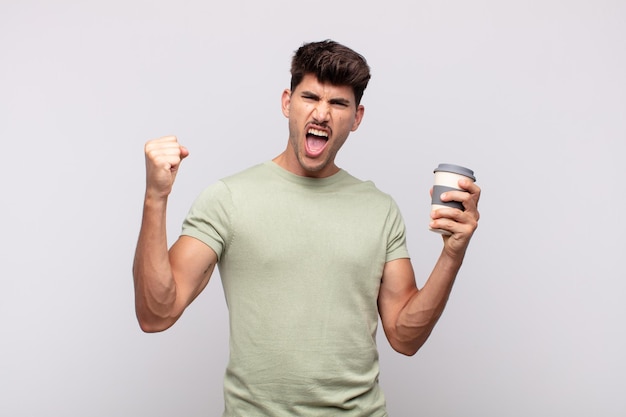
x,y
337,100
343,101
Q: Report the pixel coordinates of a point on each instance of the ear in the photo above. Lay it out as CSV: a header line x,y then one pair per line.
x,y
358,117
286,102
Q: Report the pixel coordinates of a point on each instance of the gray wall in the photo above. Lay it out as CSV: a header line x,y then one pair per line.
x,y
530,94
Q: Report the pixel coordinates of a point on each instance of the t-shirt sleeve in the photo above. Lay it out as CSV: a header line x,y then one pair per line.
x,y
208,219
396,234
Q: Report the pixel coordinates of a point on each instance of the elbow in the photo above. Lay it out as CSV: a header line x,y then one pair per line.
x,y
154,316
407,351
150,323
404,350
408,348
148,327
410,336
408,341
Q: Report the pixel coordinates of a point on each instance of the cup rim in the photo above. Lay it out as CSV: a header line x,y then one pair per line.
x,y
456,169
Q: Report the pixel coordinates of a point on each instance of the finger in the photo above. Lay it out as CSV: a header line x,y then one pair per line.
x,y
459,196
164,155
165,139
465,197
469,186
162,142
451,213
455,215
167,145
445,223
454,221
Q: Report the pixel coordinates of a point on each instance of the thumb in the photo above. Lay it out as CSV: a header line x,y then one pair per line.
x,y
184,152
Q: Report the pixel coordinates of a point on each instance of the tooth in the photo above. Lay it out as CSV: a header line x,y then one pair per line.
x,y
318,132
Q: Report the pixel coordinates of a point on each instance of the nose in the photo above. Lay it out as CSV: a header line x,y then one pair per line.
x,y
322,112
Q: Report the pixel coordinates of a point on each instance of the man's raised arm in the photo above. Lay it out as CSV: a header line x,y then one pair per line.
x,y
166,282
409,315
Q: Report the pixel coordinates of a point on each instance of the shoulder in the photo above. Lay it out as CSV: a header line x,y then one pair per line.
x,y
253,174
225,184
365,188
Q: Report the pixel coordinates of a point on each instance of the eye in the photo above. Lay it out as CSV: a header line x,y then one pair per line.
x,y
340,103
309,97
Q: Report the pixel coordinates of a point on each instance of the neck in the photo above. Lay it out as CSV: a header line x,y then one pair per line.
x,y
290,162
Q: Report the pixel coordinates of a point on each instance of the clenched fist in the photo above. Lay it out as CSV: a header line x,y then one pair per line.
x,y
163,157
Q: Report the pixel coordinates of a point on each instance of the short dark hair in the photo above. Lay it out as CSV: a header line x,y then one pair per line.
x,y
331,62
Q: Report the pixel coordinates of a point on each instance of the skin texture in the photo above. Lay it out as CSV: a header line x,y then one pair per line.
x,y
166,282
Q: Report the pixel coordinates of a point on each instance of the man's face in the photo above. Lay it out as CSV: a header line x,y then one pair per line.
x,y
321,116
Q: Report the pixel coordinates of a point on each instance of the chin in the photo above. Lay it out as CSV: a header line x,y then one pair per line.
x,y
312,165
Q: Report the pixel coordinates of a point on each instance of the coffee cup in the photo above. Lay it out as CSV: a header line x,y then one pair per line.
x,y
447,178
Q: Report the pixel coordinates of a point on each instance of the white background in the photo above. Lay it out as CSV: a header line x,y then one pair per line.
x,y
530,94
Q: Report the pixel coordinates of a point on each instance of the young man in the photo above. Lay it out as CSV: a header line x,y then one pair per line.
x,y
309,257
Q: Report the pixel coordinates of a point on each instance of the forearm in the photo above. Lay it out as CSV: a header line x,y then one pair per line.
x,y
155,288
420,315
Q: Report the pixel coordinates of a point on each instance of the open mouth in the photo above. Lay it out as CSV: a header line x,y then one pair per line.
x,y
316,140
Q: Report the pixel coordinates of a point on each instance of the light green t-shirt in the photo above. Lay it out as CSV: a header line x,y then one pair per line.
x,y
301,261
